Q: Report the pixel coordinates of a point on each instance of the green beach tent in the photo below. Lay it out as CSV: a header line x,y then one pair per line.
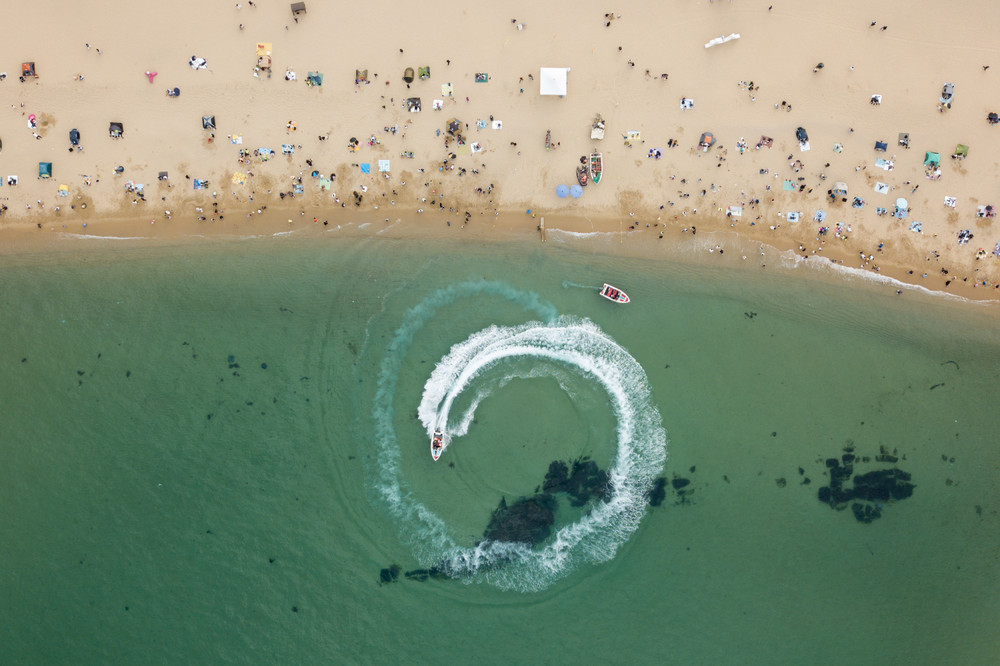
x,y
45,169
931,159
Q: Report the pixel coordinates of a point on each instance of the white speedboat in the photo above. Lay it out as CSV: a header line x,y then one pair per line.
x,y
437,444
614,294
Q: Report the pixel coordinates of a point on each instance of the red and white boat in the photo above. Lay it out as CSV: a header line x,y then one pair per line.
x,y
614,294
437,444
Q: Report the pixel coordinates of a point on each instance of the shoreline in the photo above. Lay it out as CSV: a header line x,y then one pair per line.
x,y
480,185
702,249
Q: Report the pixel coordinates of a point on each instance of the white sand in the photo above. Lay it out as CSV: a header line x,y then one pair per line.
x,y
926,44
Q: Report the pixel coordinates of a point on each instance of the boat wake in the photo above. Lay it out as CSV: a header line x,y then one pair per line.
x,y
559,344
576,285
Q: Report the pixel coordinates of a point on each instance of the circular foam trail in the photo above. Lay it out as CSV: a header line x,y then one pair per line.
x,y
566,344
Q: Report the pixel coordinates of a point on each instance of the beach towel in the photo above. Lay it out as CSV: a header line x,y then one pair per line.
x,y
239,178
438,104
820,216
497,124
12,180
383,166
200,184
735,211
447,90
366,167
236,138
298,188
887,165
950,202
476,147
287,149
881,188
686,103
917,227
788,186
64,190
482,77
793,217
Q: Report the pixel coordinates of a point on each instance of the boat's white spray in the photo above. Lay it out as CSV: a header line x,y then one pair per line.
x,y
568,343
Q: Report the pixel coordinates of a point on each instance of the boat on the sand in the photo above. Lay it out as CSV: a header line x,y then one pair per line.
x,y
596,167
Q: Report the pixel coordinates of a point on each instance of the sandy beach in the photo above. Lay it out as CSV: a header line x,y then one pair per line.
x,y
793,65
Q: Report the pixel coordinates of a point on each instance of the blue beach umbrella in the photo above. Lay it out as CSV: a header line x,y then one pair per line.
x,y
562,191
576,191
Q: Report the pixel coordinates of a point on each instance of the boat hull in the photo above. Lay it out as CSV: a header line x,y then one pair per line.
x,y
437,444
596,168
614,294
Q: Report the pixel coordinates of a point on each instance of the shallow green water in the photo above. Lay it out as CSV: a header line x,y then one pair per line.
x,y
192,456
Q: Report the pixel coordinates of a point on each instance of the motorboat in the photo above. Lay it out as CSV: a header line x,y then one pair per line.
x,y
437,444
614,294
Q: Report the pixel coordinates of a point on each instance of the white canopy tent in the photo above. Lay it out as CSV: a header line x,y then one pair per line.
x,y
552,80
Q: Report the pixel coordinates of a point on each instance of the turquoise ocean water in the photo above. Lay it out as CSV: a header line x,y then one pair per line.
x,y
209,454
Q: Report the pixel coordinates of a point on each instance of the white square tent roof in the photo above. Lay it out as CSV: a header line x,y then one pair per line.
x,y
552,80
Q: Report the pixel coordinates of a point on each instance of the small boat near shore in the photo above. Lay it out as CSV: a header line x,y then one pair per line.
x,y
581,175
437,444
596,167
614,294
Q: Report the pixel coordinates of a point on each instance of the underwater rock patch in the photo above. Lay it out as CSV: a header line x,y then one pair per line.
x,y
868,493
529,520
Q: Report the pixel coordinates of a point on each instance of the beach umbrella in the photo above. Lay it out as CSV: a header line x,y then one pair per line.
x,y
575,191
562,191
